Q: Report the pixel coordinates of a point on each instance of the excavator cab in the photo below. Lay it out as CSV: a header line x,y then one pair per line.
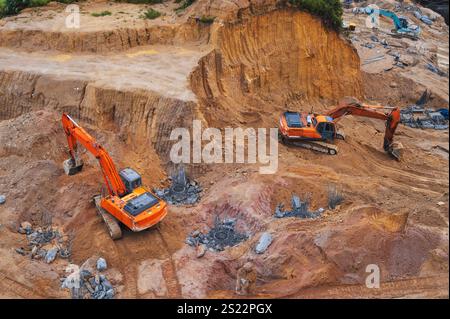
x,y
131,179
327,129
403,22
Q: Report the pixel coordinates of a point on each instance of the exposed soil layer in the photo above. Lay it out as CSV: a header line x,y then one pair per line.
x,y
253,62
46,28
271,61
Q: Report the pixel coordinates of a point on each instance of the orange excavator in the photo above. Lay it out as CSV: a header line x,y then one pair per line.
x,y
127,201
317,132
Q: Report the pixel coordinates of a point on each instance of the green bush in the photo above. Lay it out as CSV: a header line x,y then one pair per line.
x,y
207,19
101,14
184,5
151,14
329,10
39,3
2,6
12,7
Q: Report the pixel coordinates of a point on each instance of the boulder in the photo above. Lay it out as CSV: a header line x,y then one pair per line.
x,y
107,285
110,294
393,85
25,228
264,242
51,255
101,264
201,250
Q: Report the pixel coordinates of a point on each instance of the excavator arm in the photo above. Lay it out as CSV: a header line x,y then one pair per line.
x,y
392,119
400,23
76,134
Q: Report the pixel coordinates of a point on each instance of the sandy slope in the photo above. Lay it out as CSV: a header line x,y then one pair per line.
x,y
239,74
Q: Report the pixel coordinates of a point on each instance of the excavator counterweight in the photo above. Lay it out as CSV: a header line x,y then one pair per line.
x,y
127,201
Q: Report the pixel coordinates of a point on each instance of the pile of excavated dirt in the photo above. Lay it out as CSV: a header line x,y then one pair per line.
x,y
130,82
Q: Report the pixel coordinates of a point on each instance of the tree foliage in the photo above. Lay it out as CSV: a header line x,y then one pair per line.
x,y
329,10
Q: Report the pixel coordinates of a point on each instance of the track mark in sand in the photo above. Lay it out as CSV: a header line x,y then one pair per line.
x,y
130,264
170,272
406,177
17,288
435,286
130,270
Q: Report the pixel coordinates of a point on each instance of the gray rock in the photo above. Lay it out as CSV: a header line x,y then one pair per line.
x,y
64,253
41,253
107,285
101,264
295,202
110,294
201,250
21,251
229,221
25,228
34,251
264,242
190,241
85,274
51,255
92,282
100,295
195,233
2,199
89,287
97,280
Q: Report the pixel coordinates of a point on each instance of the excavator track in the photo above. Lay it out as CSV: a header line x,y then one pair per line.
x,y
111,222
17,288
317,146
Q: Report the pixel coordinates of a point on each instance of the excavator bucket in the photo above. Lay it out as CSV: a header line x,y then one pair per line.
x,y
71,167
396,150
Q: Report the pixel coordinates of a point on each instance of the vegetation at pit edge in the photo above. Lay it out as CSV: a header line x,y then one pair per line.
x,y
330,11
207,19
12,7
101,14
151,14
184,4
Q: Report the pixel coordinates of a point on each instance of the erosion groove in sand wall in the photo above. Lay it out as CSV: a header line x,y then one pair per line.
x,y
22,92
102,41
273,56
142,117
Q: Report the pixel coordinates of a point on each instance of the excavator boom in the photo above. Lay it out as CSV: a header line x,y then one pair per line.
x,y
392,119
76,134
